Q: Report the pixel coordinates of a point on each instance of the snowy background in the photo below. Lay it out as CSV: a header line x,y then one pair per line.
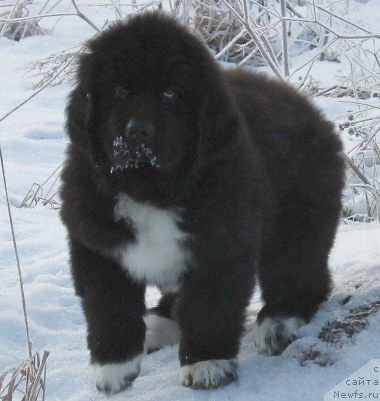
x,y
33,143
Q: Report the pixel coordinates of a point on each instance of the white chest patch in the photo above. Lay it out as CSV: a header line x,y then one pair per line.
x,y
159,254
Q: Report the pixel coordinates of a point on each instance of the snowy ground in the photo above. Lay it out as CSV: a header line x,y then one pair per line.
x,y
33,144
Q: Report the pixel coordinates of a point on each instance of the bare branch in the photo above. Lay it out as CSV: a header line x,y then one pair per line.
x,y
81,15
34,17
256,39
284,38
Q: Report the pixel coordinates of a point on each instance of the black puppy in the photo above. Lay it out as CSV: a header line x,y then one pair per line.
x,y
193,179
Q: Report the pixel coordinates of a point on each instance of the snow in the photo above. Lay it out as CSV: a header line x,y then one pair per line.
x,y
33,143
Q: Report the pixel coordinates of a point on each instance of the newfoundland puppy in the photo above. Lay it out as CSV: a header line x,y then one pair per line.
x,y
196,180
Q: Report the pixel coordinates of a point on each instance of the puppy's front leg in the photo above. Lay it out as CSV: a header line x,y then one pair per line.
x,y
113,307
210,312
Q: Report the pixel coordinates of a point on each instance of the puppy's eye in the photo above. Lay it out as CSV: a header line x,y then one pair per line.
x,y
120,93
169,94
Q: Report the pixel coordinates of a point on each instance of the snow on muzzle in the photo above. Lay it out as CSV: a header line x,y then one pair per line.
x,y
133,150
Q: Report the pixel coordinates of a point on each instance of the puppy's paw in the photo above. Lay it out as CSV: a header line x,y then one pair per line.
x,y
208,374
274,334
112,378
160,331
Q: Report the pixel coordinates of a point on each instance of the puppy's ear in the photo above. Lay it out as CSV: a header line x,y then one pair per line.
x,y
80,114
219,126
78,110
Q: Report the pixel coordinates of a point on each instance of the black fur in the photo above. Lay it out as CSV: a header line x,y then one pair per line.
x,y
252,165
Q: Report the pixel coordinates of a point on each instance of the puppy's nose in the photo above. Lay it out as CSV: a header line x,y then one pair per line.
x,y
139,130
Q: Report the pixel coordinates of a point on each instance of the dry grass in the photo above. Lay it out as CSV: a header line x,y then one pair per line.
x,y
26,382
355,322
23,28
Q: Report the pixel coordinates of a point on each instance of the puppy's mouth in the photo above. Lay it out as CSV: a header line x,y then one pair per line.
x,y
127,156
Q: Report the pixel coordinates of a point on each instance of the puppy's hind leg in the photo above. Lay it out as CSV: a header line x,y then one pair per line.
x,y
292,291
161,328
294,279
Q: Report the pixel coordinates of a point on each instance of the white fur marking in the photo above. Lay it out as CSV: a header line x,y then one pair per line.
x,y
158,256
114,377
266,335
160,332
208,374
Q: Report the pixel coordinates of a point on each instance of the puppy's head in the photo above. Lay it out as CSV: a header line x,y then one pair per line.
x,y
150,97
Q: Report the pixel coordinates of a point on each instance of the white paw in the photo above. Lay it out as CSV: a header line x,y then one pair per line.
x,y
160,332
112,378
208,374
274,334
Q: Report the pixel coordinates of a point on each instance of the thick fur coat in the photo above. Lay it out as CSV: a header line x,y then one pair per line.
x,y
198,180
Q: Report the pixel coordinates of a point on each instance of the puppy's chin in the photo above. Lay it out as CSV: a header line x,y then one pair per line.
x,y
152,164
133,165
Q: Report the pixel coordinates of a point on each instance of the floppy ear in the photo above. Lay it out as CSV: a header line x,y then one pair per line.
x,y
78,110
219,128
80,114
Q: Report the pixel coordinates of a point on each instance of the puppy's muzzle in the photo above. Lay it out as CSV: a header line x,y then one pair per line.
x,y
139,131
134,149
